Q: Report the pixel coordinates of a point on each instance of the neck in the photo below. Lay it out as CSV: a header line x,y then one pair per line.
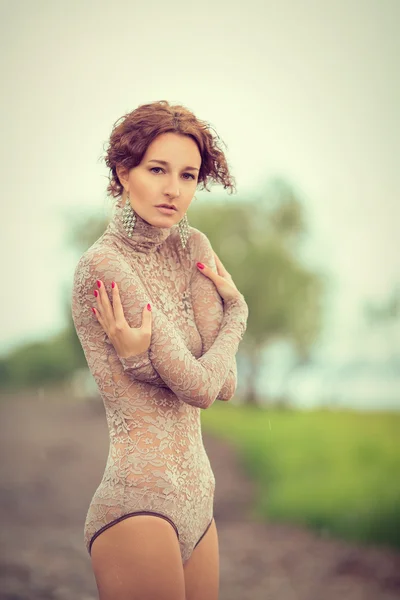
x,y
144,238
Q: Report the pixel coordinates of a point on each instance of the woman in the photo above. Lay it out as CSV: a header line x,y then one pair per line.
x,y
160,321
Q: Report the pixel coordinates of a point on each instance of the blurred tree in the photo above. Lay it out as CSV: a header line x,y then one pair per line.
x,y
386,315
38,362
387,311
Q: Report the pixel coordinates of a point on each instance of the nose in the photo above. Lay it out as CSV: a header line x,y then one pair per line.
x,y
172,187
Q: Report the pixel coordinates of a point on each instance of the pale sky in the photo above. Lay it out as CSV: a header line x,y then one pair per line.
x,y
305,89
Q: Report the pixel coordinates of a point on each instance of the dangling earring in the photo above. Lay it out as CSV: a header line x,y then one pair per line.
x,y
128,217
183,227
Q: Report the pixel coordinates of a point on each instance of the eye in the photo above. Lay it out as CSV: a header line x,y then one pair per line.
x,y
191,176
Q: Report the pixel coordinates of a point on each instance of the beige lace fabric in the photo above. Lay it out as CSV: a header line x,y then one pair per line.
x,y
156,460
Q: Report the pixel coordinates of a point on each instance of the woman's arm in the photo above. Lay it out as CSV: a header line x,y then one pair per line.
x,y
196,382
141,368
97,347
208,305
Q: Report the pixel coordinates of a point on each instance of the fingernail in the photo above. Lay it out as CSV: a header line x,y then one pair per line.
x,y
148,307
113,284
98,283
94,312
200,265
96,293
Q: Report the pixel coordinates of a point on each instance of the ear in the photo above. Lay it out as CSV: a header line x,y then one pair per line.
x,y
122,173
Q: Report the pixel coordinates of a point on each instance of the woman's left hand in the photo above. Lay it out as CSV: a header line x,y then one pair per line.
x,y
222,279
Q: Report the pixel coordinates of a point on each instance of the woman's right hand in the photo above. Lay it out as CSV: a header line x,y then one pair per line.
x,y
222,280
127,341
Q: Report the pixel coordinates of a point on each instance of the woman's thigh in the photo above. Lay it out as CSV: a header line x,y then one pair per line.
x,y
201,571
138,558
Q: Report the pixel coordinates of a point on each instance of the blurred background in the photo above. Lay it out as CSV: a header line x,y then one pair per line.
x,y
305,95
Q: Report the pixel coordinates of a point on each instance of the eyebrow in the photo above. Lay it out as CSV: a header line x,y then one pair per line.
x,y
164,162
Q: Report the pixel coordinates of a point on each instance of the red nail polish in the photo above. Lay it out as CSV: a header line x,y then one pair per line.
x,y
96,293
200,265
98,283
113,284
148,307
94,312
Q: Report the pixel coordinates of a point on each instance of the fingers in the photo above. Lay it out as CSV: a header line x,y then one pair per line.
x,y
98,317
117,305
112,317
207,271
119,316
146,320
221,271
103,310
220,267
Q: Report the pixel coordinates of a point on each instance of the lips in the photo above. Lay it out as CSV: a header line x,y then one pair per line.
x,y
166,206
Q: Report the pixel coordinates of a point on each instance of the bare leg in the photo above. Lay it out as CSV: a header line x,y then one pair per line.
x,y
138,559
201,571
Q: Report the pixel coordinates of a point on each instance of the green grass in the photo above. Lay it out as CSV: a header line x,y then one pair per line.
x,y
337,472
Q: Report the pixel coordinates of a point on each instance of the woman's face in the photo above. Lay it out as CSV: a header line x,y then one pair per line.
x,y
172,182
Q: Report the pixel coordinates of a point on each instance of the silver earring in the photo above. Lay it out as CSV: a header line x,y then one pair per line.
x,y
183,226
128,217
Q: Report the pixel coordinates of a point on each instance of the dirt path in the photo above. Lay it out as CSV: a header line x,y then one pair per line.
x,y
53,455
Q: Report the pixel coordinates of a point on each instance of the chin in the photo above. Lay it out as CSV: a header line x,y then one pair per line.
x,y
165,220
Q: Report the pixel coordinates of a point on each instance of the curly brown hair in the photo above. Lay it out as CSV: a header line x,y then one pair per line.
x,y
130,139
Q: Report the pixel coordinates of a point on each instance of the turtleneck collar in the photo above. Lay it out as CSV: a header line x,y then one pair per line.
x,y
145,238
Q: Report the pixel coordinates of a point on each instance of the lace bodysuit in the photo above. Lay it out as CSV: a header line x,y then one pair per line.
x,y
157,463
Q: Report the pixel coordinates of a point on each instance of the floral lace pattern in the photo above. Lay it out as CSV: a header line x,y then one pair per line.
x,y
156,460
